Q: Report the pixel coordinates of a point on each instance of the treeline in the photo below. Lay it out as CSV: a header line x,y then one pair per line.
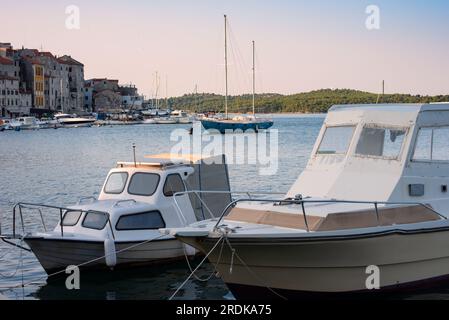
x,y
310,102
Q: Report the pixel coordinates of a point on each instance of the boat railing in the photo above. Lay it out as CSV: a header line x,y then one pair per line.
x,y
250,194
299,200
18,213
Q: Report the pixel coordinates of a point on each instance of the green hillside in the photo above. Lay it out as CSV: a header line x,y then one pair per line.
x,y
310,102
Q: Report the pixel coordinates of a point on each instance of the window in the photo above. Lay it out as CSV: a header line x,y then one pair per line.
x,y
116,182
432,144
143,184
173,184
381,142
95,220
336,140
141,221
71,218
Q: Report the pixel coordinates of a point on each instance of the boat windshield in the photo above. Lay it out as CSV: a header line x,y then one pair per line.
x,y
336,140
381,142
116,182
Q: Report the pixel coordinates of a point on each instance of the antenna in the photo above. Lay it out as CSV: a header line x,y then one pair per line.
x,y
134,153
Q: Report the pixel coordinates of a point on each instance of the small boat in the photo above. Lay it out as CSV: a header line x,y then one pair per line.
x,y
181,117
227,125
368,215
25,123
149,121
120,228
73,121
167,120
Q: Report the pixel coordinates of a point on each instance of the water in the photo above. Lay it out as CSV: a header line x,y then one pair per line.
x,y
60,166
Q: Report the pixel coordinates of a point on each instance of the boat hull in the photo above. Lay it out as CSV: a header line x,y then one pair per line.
x,y
56,254
331,267
229,125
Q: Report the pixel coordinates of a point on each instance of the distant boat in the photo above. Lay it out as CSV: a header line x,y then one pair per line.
x,y
72,121
166,120
243,123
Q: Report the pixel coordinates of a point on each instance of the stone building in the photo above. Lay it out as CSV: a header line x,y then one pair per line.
x,y
15,100
103,94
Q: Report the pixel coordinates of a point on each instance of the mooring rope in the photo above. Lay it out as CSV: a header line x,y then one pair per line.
x,y
196,269
80,265
19,263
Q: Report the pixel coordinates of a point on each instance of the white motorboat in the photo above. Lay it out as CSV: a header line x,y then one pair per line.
x,y
165,120
25,123
181,117
368,215
73,121
120,228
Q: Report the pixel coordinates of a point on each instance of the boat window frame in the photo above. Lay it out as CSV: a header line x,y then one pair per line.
x,y
165,183
96,212
347,125
385,127
139,213
415,142
124,184
148,173
77,220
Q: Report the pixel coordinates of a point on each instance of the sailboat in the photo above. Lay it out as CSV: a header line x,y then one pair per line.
x,y
242,123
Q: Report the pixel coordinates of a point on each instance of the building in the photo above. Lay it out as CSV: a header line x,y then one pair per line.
x,y
103,95
14,99
56,84
130,97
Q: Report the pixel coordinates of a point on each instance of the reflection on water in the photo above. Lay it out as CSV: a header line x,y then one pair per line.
x,y
60,166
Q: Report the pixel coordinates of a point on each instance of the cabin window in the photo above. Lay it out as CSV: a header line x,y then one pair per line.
x,y
173,184
432,144
71,218
336,140
116,182
95,220
143,184
151,220
381,142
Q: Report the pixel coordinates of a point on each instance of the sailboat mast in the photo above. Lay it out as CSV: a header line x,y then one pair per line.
x,y
226,66
254,80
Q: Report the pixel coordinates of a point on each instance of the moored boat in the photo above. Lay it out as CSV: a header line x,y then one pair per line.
x,y
368,215
120,227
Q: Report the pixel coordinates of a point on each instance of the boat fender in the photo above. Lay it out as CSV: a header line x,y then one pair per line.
x,y
190,251
109,252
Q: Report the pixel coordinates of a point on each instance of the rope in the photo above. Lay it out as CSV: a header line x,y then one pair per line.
x,y
199,265
19,263
215,265
79,265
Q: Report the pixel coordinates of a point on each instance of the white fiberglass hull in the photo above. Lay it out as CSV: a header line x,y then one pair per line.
x,y
57,254
298,267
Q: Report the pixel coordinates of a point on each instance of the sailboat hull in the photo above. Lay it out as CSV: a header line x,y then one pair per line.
x,y
225,126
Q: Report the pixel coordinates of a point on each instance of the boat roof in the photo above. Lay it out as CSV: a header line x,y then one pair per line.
x,y
394,107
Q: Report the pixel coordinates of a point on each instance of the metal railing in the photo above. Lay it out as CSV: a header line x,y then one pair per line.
x,y
302,201
62,210
197,193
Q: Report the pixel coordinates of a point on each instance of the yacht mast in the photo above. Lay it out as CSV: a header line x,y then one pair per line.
x,y
254,80
226,67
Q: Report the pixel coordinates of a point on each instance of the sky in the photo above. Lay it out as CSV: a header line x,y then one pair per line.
x,y
300,45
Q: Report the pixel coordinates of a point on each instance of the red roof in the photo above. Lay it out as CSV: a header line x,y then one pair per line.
x,y
4,60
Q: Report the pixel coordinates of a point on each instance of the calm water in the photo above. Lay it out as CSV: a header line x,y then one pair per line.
x,y
60,166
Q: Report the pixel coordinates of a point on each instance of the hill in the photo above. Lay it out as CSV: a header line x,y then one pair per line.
x,y
309,102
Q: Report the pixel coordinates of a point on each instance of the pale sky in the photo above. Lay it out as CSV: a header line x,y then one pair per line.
x,y
301,45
